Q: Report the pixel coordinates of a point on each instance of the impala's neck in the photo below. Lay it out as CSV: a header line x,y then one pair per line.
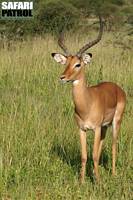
x,y
81,95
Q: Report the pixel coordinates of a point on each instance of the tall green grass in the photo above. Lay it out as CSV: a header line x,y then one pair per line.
x,y
39,140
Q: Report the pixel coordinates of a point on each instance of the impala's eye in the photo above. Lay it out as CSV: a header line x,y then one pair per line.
x,y
78,65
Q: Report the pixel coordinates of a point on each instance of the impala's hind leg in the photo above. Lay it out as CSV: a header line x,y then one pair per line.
x,y
116,127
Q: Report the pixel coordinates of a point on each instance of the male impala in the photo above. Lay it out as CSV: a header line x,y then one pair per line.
x,y
96,107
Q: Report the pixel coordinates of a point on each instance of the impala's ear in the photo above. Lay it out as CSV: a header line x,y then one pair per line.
x,y
86,58
59,58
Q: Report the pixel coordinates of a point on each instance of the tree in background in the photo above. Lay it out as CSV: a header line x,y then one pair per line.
x,y
51,16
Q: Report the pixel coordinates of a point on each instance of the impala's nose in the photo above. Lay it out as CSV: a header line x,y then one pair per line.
x,y
62,77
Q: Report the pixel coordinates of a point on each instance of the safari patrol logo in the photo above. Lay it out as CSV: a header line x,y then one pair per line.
x,y
16,10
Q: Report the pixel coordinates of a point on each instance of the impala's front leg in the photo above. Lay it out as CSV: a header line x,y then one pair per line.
x,y
97,138
83,154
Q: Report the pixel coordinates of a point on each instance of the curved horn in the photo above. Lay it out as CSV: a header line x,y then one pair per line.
x,y
61,44
90,44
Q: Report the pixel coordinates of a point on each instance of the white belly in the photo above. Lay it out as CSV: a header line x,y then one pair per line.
x,y
88,125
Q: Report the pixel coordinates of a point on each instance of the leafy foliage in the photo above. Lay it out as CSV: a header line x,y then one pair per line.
x,y
53,16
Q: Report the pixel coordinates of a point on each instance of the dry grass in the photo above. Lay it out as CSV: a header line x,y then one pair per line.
x,y
39,141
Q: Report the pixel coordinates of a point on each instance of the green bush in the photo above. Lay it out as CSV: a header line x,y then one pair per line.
x,y
48,17
128,12
52,16
55,16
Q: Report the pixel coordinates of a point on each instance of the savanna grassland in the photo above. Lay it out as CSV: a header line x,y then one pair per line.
x,y
39,140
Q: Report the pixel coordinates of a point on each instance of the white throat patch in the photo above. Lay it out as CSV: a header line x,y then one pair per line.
x,y
75,82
